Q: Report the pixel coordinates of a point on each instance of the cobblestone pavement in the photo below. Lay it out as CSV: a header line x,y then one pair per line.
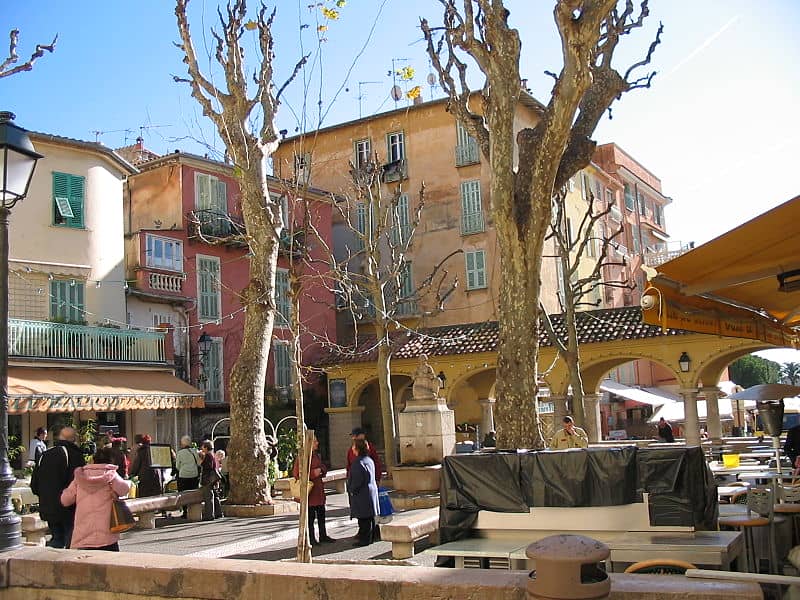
x,y
260,538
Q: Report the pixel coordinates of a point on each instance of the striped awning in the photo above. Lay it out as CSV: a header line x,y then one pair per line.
x,y
46,389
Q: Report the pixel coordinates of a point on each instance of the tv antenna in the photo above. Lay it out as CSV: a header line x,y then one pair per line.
x,y
397,91
361,94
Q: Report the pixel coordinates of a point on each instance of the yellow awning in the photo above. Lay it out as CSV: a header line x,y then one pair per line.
x,y
34,389
730,285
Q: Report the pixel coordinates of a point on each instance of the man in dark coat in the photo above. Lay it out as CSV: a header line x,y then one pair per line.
x,y
150,479
51,477
363,491
792,446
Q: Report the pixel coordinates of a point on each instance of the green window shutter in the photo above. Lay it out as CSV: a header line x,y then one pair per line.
x,y
361,223
58,293
212,369
470,270
480,269
283,365
207,288
202,192
406,281
221,197
471,209
76,312
68,199
403,225
282,301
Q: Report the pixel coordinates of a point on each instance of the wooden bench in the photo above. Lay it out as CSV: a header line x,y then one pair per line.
x,y
34,530
406,528
336,476
146,508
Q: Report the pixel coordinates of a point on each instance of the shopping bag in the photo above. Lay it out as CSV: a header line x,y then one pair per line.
x,y
121,517
384,503
294,488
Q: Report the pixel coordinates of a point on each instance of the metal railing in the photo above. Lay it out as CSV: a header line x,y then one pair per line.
x,y
43,339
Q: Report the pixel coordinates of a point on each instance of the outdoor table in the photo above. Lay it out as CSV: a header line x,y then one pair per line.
x,y
728,491
761,475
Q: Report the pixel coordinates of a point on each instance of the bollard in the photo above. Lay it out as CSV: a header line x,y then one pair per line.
x,y
567,568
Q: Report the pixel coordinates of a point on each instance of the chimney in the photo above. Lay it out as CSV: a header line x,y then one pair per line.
x,y
524,84
418,100
140,143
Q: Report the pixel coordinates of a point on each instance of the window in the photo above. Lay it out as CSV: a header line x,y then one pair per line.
x,y
402,222
282,353
586,187
476,269
283,301
361,225
658,212
406,304
636,240
591,245
642,205
630,202
68,198
466,147
211,204
209,299
212,370
159,318
66,301
363,150
395,146
164,253
302,169
598,191
610,198
471,210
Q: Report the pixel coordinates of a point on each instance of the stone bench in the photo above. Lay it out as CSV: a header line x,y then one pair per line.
x,y
336,476
406,528
146,508
34,530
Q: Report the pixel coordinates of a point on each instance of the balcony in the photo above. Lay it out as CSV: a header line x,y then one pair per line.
x,y
472,223
394,171
215,226
167,283
59,341
655,256
406,308
467,154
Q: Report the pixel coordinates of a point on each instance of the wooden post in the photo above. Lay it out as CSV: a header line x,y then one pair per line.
x,y
303,540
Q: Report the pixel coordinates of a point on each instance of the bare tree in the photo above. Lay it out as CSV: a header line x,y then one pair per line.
x,y
235,114
575,249
548,155
373,281
10,67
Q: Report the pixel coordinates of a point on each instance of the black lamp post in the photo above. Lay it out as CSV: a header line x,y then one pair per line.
x,y
17,163
685,362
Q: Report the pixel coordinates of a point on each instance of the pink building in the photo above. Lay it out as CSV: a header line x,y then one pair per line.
x,y
182,215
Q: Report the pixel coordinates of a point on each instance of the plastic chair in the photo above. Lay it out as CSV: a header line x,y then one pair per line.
x,y
789,505
760,513
660,566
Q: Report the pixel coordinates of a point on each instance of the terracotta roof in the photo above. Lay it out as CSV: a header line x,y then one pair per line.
x,y
594,326
127,167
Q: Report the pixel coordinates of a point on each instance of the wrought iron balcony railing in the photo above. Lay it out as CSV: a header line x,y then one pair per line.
x,y
43,339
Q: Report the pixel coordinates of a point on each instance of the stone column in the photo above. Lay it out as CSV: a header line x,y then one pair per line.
x,y
559,410
691,424
342,421
591,408
487,415
713,422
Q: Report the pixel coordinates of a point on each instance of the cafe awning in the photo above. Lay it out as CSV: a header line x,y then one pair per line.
x,y
744,283
634,394
34,389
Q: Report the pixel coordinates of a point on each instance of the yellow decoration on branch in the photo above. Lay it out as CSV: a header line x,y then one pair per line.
x,y
406,73
251,25
340,3
414,92
330,13
322,28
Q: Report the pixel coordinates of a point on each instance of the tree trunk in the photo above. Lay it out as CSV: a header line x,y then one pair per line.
x,y
387,401
572,357
249,458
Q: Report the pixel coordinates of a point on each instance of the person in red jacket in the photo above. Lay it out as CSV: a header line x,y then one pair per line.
x,y
316,497
352,454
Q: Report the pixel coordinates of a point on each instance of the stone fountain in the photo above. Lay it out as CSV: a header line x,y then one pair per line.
x,y
427,433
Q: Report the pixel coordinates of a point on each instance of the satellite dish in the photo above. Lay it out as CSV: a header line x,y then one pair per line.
x,y
397,93
431,79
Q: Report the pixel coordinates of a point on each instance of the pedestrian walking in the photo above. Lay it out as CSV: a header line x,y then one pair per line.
x,y
150,479
92,492
187,465
363,494
316,497
38,446
51,477
210,479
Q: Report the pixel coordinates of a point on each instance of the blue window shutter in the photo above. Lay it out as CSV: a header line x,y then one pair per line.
x,y
480,269
283,364
282,301
470,270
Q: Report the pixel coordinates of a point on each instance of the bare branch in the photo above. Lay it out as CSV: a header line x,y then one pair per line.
x,y
6,69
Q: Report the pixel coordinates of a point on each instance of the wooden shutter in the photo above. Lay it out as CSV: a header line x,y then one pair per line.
x,y
69,191
403,219
282,301
207,288
480,269
283,365
202,193
471,209
471,270
212,369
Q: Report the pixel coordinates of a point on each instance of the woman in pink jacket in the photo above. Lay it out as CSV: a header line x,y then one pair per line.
x,y
93,491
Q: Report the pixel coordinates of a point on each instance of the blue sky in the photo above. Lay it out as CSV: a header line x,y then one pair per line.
x,y
717,127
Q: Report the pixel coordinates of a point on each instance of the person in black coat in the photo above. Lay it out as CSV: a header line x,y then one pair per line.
x,y
363,492
51,477
792,446
150,479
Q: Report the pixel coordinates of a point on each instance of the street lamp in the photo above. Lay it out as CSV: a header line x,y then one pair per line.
x,y
204,346
17,163
684,361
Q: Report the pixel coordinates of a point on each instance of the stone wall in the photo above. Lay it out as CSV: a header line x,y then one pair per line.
x,y
45,573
